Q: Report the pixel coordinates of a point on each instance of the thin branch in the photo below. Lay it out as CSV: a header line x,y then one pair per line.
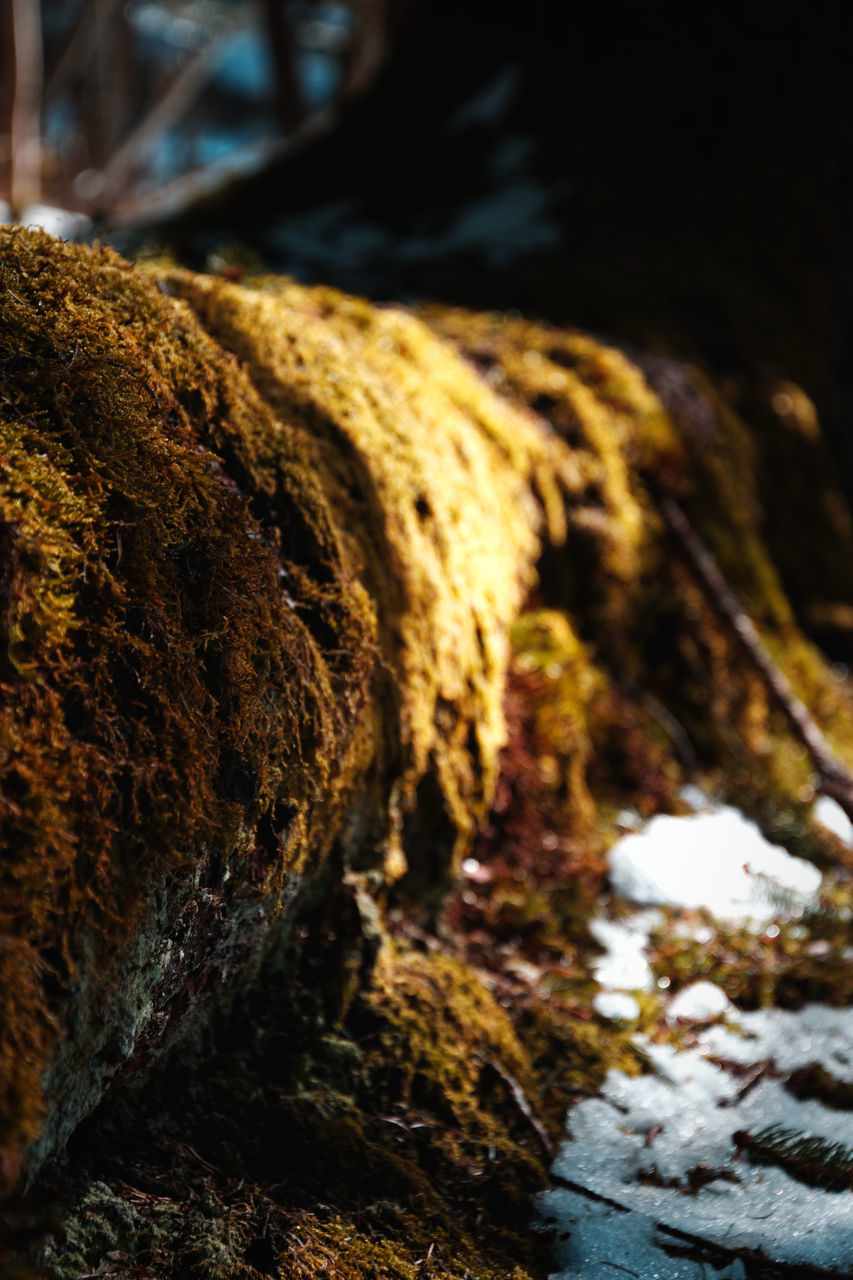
x,y
369,49
288,100
518,1096
834,778
72,61
182,92
177,199
24,66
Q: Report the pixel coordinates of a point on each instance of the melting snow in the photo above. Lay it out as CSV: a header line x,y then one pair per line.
x,y
652,1164
829,814
618,1006
700,1002
624,966
718,860
651,1130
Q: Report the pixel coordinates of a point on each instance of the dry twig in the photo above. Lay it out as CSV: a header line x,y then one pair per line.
x,y
834,778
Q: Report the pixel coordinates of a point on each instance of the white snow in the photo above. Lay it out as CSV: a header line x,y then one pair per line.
x,y
599,1242
718,860
683,1114
624,966
62,223
618,1006
629,1152
829,814
700,1002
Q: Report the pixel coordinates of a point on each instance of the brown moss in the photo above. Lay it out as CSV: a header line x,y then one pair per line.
x,y
254,600
161,692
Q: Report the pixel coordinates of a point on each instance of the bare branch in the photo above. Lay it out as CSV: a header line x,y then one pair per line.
x,y
169,108
176,199
369,48
288,100
834,779
25,71
77,52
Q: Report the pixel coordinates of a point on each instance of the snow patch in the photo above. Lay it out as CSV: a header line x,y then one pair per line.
x,y
618,1006
638,1144
624,966
700,1002
829,814
62,223
718,860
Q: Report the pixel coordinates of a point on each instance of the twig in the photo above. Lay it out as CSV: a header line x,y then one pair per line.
x,y
177,199
523,1105
834,778
369,49
282,47
183,90
24,69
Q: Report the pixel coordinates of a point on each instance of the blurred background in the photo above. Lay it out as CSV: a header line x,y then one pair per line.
x,y
677,176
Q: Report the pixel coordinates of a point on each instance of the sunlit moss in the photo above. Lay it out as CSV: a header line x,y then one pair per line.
x,y
434,481
638,434
239,598
280,568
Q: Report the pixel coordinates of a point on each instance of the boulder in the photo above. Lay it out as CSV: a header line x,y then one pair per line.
x,y
257,579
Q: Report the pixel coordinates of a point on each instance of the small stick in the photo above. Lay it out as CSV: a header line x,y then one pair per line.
x,y
834,779
523,1105
178,97
23,59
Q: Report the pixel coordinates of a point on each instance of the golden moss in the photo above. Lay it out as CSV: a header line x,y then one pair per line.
x,y
243,605
162,692
630,585
433,480
268,555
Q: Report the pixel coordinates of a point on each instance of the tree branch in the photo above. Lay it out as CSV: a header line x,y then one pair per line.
x,y
834,778
24,69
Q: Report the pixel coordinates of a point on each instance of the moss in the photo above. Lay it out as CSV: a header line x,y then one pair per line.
x,y
161,692
391,1143
247,608
405,435
640,431
276,604
805,959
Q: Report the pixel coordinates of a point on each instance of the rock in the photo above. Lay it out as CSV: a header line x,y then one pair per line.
x,y
249,615
287,625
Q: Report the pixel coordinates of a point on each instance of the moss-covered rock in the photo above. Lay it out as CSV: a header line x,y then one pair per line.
x,y
247,614
312,622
